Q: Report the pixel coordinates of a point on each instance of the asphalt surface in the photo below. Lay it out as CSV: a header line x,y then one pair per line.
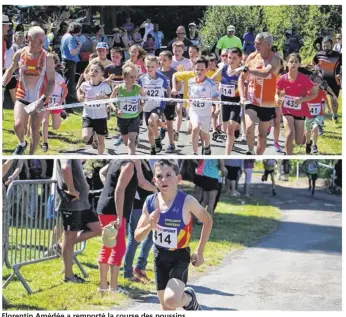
x,y
298,267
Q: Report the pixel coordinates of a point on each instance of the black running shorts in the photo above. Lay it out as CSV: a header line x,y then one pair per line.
x,y
77,220
264,114
98,125
170,264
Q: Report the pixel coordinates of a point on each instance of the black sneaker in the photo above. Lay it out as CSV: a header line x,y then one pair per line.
x,y
45,147
152,150
63,115
91,140
20,149
170,149
308,147
215,135
313,192
162,133
236,134
158,145
320,130
274,192
207,150
75,279
193,304
250,153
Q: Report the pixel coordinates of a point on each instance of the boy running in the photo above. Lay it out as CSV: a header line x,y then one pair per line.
x,y
269,169
169,214
128,110
154,85
201,87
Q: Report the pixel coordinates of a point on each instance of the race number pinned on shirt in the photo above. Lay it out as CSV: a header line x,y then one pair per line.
x,y
228,90
166,237
153,92
129,106
289,103
53,100
198,104
314,108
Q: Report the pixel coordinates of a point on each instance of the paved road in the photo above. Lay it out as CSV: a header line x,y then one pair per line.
x,y
296,268
184,146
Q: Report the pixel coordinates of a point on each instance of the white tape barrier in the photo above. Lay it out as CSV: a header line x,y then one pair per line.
x,y
101,103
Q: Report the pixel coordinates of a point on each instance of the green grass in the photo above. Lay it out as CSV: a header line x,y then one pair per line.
x,y
67,138
240,222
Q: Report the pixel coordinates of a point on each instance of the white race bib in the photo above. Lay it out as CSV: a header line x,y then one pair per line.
x,y
166,237
198,104
129,106
228,90
153,92
53,100
314,108
289,103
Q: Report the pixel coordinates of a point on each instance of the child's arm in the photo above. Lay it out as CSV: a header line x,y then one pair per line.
x,y
146,223
80,94
113,95
64,93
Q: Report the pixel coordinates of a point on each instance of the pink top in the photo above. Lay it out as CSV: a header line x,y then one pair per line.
x,y
294,90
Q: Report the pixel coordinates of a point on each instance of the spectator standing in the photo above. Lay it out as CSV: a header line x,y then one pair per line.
x,y
148,28
338,45
249,40
5,26
158,38
228,41
194,36
129,26
181,32
248,167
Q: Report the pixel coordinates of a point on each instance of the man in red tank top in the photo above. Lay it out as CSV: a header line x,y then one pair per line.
x,y
35,83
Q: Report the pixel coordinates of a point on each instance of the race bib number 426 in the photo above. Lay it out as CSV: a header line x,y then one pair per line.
x,y
166,237
290,103
128,107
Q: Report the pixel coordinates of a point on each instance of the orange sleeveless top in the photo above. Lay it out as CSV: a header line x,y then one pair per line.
x,y
35,67
261,91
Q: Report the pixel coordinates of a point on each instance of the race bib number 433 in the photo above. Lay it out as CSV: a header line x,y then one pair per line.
x,y
166,237
290,103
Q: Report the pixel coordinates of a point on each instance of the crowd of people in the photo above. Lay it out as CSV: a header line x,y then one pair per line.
x,y
243,84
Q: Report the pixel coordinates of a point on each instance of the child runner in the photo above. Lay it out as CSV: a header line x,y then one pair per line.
x,y
169,215
136,57
166,69
269,169
314,120
293,91
113,72
57,98
201,87
229,92
155,85
95,116
128,110
224,57
248,167
311,170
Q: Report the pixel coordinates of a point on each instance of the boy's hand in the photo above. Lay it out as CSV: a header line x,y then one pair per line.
x,y
197,259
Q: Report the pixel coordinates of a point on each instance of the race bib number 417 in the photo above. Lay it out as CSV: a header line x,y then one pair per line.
x,y
166,237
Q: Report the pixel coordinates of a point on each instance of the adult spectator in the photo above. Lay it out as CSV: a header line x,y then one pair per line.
x,y
181,38
338,45
137,37
158,38
117,39
19,42
70,49
329,62
79,221
99,35
148,28
5,26
234,170
249,40
292,44
129,26
228,41
194,36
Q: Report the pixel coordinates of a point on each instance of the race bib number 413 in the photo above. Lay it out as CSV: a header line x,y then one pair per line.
x,y
290,103
166,237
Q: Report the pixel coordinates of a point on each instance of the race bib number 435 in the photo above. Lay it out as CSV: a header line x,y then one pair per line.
x,y
290,103
166,237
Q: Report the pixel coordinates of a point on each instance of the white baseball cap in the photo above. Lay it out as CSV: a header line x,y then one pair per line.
x,y
5,19
231,28
109,235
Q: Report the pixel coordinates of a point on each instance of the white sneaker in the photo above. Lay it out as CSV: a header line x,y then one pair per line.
x,y
243,138
235,194
118,290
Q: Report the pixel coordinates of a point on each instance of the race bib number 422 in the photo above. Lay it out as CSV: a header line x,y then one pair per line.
x,y
290,103
166,237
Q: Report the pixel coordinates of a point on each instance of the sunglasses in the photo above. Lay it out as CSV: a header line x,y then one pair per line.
x,y
225,55
338,38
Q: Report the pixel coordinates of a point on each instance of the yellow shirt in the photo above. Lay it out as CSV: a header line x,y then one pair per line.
x,y
185,76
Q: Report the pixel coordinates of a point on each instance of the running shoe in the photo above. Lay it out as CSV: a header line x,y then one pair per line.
x,y
218,129
152,150
236,134
45,147
63,115
277,147
118,290
215,135
140,274
20,149
170,148
118,140
335,118
158,145
314,149
320,130
235,194
162,133
274,192
250,153
207,150
243,138
308,147
75,279
193,304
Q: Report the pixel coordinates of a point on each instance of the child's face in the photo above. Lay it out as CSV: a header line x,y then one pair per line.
x,y
165,179
192,53
293,63
178,52
96,72
165,62
212,65
234,59
130,78
116,56
134,52
224,57
151,67
102,53
200,70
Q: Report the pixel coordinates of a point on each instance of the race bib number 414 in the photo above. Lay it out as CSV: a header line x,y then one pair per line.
x,y
290,103
166,237
228,90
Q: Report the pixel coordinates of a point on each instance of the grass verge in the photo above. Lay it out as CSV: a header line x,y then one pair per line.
x,y
240,222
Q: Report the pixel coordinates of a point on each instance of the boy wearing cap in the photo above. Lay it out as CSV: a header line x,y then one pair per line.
x,y
169,214
228,41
